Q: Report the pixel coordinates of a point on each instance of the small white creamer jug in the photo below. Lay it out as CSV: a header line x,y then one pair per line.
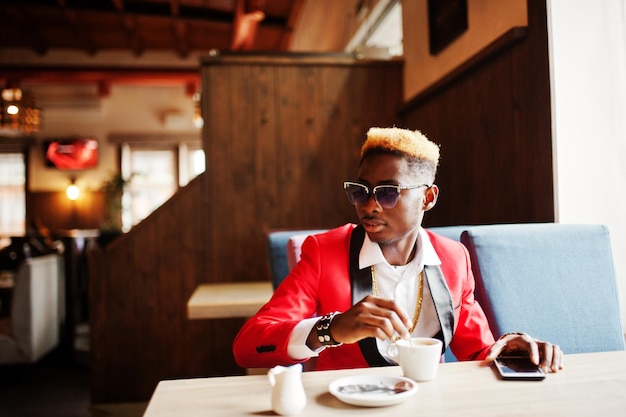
x,y
288,396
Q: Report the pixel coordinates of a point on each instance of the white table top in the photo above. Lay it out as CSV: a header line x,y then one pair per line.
x,y
228,300
592,384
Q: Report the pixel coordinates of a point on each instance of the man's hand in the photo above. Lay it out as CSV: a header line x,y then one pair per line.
x,y
548,356
370,317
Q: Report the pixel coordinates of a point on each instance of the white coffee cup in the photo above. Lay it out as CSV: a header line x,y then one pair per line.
x,y
418,357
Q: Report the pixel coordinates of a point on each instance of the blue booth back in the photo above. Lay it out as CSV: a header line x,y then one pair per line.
x,y
553,281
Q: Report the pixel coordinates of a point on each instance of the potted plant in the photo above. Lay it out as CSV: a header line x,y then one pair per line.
x,y
112,190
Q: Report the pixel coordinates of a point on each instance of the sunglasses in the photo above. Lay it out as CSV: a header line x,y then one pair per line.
x,y
385,195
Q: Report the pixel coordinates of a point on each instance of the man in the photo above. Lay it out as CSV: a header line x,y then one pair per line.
x,y
356,288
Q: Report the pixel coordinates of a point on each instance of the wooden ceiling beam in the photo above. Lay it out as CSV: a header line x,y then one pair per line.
x,y
34,34
180,38
118,4
129,26
179,30
66,24
102,77
71,16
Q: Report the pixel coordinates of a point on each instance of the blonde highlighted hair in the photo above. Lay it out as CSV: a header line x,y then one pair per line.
x,y
401,141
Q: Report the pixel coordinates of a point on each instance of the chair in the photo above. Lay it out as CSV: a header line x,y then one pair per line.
x,y
33,325
553,281
451,232
280,261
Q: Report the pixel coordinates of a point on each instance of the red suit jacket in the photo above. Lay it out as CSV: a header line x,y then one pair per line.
x,y
328,279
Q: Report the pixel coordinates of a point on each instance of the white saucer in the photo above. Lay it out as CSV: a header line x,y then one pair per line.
x,y
372,390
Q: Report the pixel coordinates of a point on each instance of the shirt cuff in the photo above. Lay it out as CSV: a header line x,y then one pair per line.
x,y
297,348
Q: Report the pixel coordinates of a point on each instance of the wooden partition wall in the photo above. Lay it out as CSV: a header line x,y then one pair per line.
x,y
492,119
138,287
281,133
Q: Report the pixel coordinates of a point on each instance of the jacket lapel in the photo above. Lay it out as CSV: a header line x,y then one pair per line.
x,y
443,302
361,283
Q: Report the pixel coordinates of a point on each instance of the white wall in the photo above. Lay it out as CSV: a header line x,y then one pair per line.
x,y
71,110
588,81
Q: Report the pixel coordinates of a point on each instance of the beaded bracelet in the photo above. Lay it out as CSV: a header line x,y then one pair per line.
x,y
323,331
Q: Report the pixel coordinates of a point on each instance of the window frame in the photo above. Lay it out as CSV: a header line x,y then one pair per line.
x,y
180,145
11,147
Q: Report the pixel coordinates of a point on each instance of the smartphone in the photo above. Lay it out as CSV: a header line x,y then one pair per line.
x,y
518,368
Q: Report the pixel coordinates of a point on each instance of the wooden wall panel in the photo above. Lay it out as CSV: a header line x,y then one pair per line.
x,y
57,213
139,287
493,123
278,160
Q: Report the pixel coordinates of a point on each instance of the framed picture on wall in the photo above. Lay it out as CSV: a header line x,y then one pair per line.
x,y
447,20
71,153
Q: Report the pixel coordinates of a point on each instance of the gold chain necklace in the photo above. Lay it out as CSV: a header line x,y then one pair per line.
x,y
420,295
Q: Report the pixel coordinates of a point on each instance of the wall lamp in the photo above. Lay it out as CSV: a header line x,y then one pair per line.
x,y
72,191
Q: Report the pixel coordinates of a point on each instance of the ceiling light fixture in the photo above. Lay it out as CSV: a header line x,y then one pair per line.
x,y
19,116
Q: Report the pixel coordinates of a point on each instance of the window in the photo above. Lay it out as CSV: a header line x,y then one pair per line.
x,y
156,172
191,163
12,195
381,30
153,181
387,32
